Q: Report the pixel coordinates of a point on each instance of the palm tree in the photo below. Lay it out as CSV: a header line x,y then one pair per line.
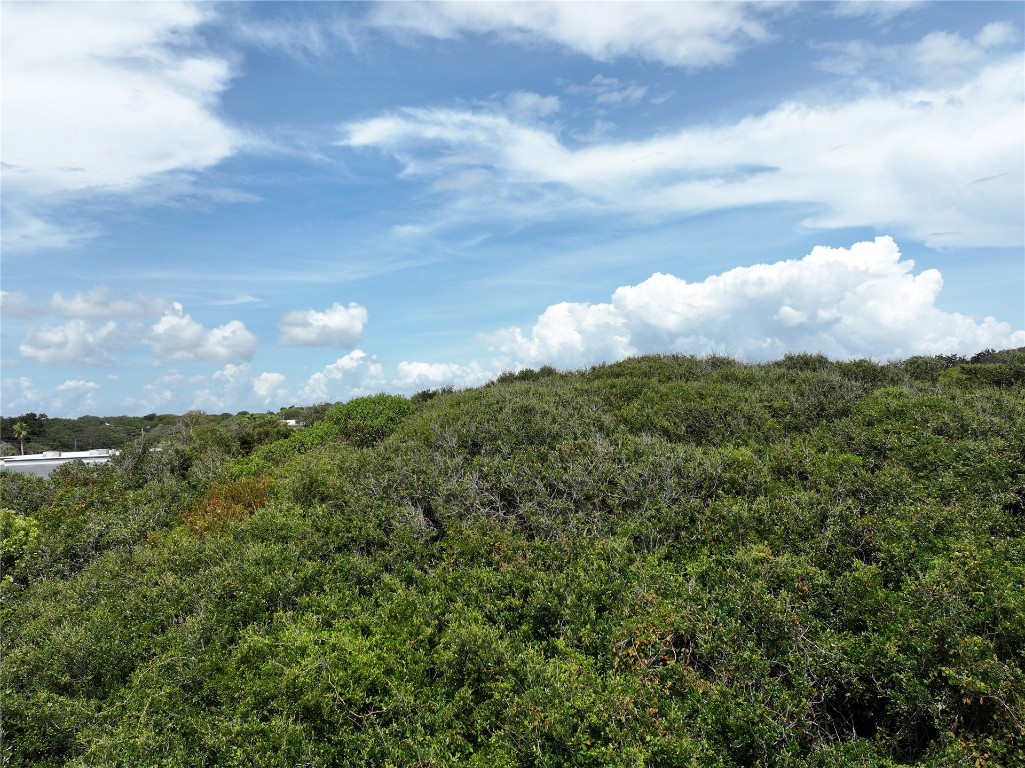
x,y
21,432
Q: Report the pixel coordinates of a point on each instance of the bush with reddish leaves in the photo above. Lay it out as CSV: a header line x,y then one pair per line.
x,y
226,503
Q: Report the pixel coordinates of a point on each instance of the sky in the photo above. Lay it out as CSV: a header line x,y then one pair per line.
x,y
240,206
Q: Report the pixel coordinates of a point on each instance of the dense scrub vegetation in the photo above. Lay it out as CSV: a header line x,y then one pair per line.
x,y
667,561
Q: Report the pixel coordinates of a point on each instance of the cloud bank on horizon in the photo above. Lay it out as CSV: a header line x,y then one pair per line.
x,y
846,303
861,302
351,199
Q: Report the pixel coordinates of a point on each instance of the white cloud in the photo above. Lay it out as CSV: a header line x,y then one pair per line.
x,y
463,181
609,91
570,335
600,132
19,393
336,326
938,59
77,386
101,98
14,304
351,375
527,105
880,10
697,34
913,162
223,391
24,232
74,395
301,38
76,341
996,34
268,386
419,375
243,298
103,302
861,301
160,392
176,336
232,374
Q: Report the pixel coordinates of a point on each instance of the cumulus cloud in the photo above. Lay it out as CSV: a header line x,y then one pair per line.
x,y
223,391
72,396
863,301
76,341
419,375
268,386
570,334
102,98
944,165
692,35
103,302
232,374
337,326
351,375
176,336
77,386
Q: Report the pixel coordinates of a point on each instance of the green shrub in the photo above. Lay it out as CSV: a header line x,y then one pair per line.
x,y
368,420
663,561
984,375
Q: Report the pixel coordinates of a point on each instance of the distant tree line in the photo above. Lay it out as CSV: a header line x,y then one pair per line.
x,y
45,433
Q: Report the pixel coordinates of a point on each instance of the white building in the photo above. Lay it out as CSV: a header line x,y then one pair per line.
x,y
42,464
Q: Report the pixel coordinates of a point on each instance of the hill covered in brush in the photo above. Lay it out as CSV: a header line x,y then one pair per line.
x,y
668,561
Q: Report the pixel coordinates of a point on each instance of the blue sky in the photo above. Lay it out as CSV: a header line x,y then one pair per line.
x,y
247,206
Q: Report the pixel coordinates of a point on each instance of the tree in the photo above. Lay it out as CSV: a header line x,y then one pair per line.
x,y
21,432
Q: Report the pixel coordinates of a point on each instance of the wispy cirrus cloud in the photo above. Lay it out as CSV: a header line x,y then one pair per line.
x,y
298,34
909,161
243,298
938,59
695,34
610,91
878,10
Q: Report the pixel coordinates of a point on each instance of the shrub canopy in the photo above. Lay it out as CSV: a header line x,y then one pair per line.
x,y
665,561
